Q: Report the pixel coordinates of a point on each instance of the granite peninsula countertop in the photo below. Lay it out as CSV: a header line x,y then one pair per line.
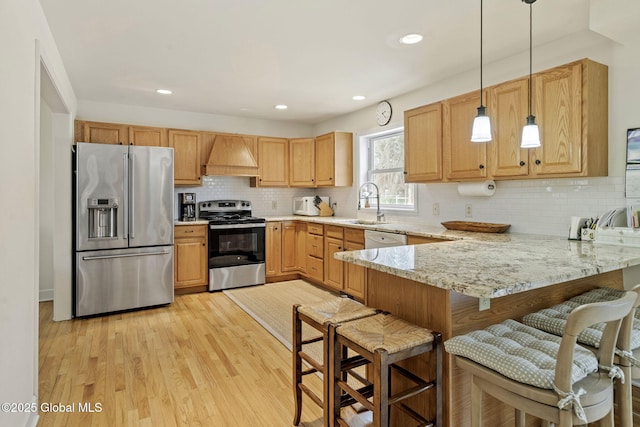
x,y
484,265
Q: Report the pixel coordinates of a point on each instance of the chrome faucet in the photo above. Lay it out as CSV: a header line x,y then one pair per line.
x,y
379,215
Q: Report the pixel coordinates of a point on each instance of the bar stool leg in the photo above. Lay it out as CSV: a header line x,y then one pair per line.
x,y
297,365
381,386
476,404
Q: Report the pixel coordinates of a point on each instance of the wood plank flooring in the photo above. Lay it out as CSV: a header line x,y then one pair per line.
x,y
201,361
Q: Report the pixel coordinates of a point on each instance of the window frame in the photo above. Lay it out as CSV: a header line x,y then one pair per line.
x,y
367,161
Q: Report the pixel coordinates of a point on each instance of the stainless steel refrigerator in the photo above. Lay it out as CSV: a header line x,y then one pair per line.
x,y
123,221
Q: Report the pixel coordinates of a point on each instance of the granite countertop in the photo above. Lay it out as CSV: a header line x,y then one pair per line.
x,y
196,222
492,269
483,265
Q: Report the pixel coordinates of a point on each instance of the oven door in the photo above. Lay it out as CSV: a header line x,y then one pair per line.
x,y
236,255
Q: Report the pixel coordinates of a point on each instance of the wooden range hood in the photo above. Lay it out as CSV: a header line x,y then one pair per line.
x,y
232,155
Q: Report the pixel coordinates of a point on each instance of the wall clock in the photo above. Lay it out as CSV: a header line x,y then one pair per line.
x,y
383,113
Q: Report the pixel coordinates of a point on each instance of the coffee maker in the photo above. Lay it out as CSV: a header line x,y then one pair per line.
x,y
187,202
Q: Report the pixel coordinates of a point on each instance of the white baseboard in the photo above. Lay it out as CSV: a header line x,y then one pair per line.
x,y
45,295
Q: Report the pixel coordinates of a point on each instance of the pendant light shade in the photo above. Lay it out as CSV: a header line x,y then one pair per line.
x,y
481,131
530,132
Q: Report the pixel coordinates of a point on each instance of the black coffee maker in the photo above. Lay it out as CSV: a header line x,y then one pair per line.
x,y
187,203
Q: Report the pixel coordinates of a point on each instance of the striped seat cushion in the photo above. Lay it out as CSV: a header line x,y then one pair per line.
x,y
554,319
520,352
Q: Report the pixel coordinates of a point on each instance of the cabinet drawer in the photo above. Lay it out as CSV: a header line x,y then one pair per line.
x,y
190,231
315,267
334,231
315,245
315,228
354,235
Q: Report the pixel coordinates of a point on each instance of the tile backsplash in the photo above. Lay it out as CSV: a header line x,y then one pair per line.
x,y
530,206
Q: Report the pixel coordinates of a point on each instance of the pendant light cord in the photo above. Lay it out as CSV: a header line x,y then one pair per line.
x,y
481,52
530,55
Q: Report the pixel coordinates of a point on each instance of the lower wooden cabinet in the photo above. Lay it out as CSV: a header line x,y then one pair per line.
x,y
190,257
355,276
333,268
281,242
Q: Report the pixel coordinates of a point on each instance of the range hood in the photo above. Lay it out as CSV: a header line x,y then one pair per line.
x,y
233,155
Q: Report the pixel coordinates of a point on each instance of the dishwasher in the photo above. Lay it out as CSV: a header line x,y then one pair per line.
x,y
382,239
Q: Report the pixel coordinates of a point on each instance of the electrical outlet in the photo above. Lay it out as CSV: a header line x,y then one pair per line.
x,y
436,209
468,211
274,204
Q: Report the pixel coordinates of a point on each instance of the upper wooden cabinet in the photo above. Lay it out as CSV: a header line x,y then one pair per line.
x,y
115,133
148,136
186,156
302,162
508,108
334,159
230,154
463,159
571,109
273,161
423,143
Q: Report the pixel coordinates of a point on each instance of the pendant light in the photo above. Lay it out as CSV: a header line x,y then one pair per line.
x,y
530,132
481,131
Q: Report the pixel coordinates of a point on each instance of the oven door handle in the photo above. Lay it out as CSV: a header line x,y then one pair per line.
x,y
232,226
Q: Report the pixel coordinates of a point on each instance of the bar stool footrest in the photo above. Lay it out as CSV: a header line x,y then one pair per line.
x,y
356,396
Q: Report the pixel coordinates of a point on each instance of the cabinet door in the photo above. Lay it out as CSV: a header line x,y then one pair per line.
x,y
423,143
148,136
301,246
190,250
273,243
273,162
105,133
325,160
462,158
186,156
355,276
508,106
558,111
289,253
333,268
302,162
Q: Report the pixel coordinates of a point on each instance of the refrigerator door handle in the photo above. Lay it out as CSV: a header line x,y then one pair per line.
x,y
125,234
132,197
91,258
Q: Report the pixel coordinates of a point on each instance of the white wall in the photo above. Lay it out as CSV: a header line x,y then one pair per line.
x,y
21,25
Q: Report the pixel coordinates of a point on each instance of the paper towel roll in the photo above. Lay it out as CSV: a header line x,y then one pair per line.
x,y
484,188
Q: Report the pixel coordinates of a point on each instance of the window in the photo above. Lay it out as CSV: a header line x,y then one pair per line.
x,y
385,168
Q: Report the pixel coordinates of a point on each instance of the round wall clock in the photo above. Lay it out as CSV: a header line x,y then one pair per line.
x,y
383,113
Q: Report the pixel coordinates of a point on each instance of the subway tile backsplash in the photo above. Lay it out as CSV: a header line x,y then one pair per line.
x,y
530,206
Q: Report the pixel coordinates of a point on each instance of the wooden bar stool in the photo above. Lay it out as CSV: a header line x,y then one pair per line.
x,y
537,373
318,316
381,341
554,321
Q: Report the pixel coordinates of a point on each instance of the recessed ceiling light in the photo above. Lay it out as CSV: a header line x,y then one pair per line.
x,y
411,39
164,91
358,97
281,107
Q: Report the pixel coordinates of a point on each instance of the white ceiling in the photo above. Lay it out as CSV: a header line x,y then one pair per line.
x,y
241,57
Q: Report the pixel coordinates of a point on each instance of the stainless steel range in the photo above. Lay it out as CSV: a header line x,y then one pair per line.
x,y
236,244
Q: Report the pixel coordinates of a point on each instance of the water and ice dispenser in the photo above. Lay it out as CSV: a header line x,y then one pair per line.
x,y
103,218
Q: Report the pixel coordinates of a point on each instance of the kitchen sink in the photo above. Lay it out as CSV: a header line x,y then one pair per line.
x,y
361,221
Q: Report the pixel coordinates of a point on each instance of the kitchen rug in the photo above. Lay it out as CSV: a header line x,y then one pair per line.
x,y
271,305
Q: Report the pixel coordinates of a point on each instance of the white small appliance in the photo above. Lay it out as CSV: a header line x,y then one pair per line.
x,y
306,205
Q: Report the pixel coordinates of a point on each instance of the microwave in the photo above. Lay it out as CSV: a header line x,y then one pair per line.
x,y
306,205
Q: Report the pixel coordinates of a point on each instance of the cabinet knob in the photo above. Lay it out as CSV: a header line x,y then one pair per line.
x,y
481,166
538,162
404,172
522,163
203,244
120,143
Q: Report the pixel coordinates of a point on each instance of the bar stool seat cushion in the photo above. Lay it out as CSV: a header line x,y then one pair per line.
x,y
385,332
520,352
336,310
554,319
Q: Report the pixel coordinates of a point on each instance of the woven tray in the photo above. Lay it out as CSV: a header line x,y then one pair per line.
x,y
480,227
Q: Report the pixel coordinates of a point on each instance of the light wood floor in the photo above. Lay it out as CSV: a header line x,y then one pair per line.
x,y
201,361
